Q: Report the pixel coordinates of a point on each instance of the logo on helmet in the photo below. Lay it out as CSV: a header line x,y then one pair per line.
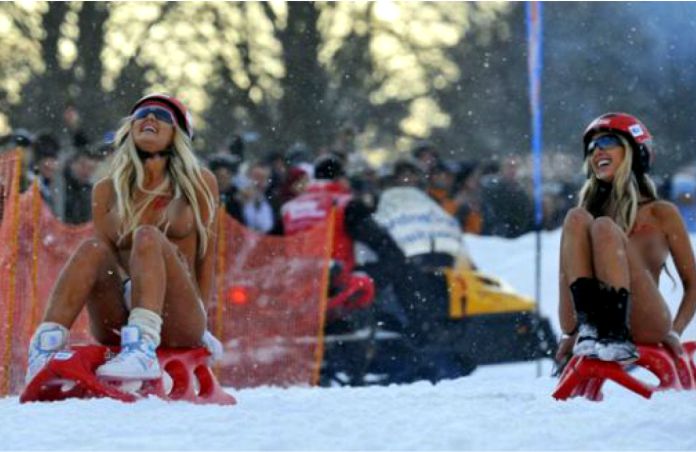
x,y
636,130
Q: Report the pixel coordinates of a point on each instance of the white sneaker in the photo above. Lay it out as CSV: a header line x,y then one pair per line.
x,y
624,352
44,347
213,345
136,361
586,343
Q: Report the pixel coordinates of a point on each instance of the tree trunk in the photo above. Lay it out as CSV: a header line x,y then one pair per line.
x,y
303,110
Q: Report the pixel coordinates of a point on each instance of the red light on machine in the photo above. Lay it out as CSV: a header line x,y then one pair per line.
x,y
238,295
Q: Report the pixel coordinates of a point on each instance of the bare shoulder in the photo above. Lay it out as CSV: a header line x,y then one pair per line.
x,y
104,186
210,180
664,210
667,215
208,176
103,190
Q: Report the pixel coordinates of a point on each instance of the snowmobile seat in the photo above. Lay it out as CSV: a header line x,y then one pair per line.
x,y
71,374
584,377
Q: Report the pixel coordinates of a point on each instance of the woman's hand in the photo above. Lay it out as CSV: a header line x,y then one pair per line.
x,y
563,353
565,347
673,343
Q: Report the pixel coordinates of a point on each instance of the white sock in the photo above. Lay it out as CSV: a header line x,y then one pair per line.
x,y
149,322
51,342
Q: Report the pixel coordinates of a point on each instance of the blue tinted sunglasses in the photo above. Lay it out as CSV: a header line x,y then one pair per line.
x,y
161,114
604,142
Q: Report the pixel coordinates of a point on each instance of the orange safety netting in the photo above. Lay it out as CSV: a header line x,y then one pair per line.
x,y
268,310
271,300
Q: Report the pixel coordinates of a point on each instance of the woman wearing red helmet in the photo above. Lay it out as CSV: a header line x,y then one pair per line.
x,y
614,247
147,273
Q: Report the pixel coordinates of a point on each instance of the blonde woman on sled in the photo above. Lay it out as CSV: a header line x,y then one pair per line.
x,y
148,271
613,250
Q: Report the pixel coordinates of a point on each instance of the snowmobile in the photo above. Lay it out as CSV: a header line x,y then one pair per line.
x,y
463,318
435,316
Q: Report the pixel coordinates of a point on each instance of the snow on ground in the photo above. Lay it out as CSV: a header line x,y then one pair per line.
x,y
496,408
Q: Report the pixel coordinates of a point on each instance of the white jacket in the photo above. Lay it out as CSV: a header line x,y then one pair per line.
x,y
418,224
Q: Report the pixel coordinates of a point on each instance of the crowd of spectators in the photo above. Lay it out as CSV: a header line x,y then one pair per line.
x,y
489,197
64,167
492,197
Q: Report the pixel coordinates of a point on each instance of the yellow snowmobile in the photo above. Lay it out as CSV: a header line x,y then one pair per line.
x,y
470,319
437,316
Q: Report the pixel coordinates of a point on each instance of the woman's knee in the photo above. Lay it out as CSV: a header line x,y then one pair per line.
x,y
95,250
577,220
146,238
604,231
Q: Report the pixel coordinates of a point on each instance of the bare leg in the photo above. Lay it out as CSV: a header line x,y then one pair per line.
x,y
609,253
91,275
619,264
575,261
162,283
650,318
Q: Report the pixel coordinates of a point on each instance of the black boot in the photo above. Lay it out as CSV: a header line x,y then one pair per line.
x,y
615,342
586,298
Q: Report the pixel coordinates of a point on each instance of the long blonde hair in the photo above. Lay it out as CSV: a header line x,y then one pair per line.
x,y
627,190
183,172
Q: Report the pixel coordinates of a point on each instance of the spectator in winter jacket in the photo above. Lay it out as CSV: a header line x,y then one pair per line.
x,y
428,235
467,197
224,166
44,167
507,206
79,179
257,211
441,185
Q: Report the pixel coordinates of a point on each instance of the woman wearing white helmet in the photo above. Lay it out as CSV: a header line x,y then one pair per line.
x,y
614,247
147,273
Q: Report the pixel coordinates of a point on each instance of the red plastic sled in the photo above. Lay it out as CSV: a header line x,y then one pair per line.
x,y
584,377
71,374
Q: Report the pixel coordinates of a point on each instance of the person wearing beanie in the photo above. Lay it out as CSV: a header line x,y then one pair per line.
x,y
328,192
45,164
294,184
225,167
147,273
614,247
78,178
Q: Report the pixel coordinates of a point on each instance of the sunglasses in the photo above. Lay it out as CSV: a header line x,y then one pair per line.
x,y
144,156
604,142
161,114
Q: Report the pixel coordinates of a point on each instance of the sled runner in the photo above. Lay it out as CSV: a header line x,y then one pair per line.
x,y
71,374
584,377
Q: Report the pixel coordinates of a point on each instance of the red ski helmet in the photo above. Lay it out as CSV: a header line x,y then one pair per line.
x,y
183,117
632,130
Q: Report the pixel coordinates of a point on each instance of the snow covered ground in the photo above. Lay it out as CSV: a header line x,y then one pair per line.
x,y
496,408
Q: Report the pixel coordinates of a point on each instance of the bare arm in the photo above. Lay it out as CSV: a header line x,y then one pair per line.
x,y
103,195
566,310
205,265
566,315
683,256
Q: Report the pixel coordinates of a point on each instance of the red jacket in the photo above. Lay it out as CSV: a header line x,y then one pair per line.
x,y
313,207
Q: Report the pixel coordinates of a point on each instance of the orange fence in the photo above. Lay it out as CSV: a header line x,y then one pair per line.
x,y
268,309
